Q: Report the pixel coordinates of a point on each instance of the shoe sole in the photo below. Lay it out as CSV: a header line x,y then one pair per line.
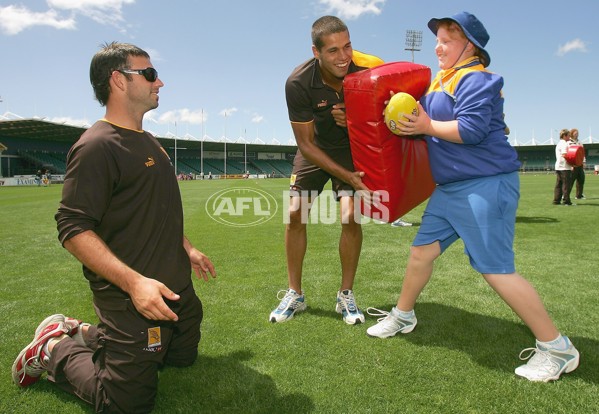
x,y
15,374
50,319
568,367
358,321
405,330
14,370
273,319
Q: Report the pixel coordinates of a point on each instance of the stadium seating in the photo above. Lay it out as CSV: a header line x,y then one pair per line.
x,y
54,162
280,167
29,155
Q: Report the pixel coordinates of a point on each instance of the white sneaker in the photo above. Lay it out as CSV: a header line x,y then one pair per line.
x,y
400,223
291,302
33,360
389,324
548,364
73,325
346,306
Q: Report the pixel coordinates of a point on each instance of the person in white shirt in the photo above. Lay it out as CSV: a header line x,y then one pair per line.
x,y
563,170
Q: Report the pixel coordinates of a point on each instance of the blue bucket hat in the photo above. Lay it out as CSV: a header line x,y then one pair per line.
x,y
472,28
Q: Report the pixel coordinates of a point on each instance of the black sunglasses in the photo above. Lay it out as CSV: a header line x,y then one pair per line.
x,y
150,74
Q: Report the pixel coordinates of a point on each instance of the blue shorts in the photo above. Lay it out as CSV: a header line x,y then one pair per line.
x,y
482,212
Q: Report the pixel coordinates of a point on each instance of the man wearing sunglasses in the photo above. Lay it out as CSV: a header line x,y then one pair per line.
x,y
121,217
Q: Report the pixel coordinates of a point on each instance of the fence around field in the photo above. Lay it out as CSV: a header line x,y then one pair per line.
x,y
28,161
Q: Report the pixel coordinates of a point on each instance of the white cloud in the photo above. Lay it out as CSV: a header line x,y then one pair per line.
x,y
109,5
108,12
228,111
14,19
155,55
256,119
352,9
151,116
575,45
179,115
69,121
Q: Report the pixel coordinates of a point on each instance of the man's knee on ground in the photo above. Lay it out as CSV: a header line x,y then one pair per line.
x,y
181,359
130,401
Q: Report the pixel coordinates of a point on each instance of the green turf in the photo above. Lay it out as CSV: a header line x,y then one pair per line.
x,y
460,358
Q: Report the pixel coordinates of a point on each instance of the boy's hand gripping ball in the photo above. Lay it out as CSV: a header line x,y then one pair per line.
x,y
399,104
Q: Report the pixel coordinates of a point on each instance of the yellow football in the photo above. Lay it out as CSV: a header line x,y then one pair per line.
x,y
399,104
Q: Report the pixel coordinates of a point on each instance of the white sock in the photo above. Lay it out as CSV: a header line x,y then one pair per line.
x,y
403,315
560,343
46,348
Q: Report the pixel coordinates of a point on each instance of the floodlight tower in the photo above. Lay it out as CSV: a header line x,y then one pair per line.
x,y
413,41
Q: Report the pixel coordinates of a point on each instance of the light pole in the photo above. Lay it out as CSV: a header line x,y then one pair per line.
x,y
413,41
245,151
202,146
225,137
551,136
176,174
2,149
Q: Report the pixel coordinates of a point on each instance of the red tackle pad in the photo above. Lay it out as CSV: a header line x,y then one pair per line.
x,y
575,155
396,166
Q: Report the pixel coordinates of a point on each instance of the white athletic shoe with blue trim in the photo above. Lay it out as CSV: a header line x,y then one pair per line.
x,y
548,364
346,306
389,324
291,303
400,223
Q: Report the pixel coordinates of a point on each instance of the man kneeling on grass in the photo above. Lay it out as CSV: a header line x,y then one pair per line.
x,y
121,216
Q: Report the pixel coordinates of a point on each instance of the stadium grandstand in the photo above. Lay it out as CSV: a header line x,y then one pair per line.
x,y
29,145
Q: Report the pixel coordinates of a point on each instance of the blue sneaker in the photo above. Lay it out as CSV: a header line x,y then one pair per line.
x,y
548,364
346,306
290,303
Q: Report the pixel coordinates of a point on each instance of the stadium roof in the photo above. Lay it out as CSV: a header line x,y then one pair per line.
x,y
39,129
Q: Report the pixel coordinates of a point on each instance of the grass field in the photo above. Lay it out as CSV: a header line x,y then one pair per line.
x,y
460,358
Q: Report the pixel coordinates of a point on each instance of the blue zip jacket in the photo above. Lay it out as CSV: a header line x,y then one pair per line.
x,y
473,96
